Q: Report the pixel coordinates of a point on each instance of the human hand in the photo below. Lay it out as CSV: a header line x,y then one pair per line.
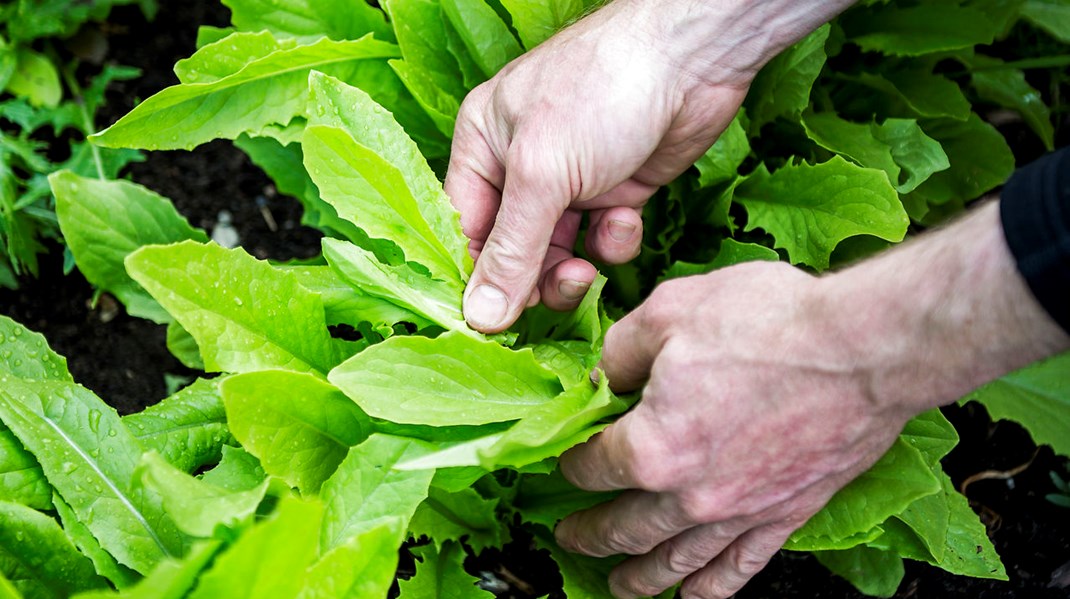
x,y
594,119
768,389
754,415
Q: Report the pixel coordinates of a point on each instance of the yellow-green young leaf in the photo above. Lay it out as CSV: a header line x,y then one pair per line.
x,y
430,299
363,567
299,426
874,572
898,479
421,33
451,380
391,172
172,579
197,507
226,56
268,91
89,457
183,346
782,87
537,20
1037,397
440,106
485,35
35,78
809,209
1052,16
270,560
366,491
309,20
245,314
238,470
898,147
440,573
38,558
916,30
104,221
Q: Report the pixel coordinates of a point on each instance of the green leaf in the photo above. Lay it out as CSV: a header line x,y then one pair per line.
x,y
899,478
421,32
214,61
463,514
309,20
344,303
245,314
809,209
1037,397
898,147
189,428
980,161
547,499
38,558
35,78
1008,88
730,253
25,354
366,492
916,30
537,20
21,478
1052,16
196,506
782,87
440,573
184,116
440,106
105,221
485,35
721,162
395,188
269,560
583,576
83,538
873,572
451,380
183,346
70,431
919,93
362,567
300,427
238,470
172,579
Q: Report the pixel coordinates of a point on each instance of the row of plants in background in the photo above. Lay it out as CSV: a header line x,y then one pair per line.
x,y
47,111
305,459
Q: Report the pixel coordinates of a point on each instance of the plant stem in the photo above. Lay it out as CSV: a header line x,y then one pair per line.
x,y
88,126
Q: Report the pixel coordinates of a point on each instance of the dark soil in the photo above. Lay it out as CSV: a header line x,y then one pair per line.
x,y
125,360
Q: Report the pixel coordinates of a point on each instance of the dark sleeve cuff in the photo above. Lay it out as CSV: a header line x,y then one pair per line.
x,y
1035,211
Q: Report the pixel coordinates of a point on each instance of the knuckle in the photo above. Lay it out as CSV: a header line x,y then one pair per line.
x,y
505,259
701,508
624,540
747,561
682,559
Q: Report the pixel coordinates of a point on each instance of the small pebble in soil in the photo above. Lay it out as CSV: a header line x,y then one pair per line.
x,y
224,232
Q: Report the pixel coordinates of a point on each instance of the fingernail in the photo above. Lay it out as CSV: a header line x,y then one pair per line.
x,y
620,230
596,376
573,290
485,307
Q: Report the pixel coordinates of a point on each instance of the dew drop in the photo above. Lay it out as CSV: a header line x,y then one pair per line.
x,y
94,420
17,332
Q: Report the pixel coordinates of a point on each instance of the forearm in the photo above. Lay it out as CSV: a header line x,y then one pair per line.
x,y
942,314
726,41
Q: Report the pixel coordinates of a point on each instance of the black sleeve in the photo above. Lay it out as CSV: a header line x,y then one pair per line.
x,y
1035,210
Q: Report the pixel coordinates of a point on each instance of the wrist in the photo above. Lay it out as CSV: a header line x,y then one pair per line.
x,y
935,318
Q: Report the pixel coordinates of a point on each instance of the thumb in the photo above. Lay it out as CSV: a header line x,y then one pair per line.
x,y
510,262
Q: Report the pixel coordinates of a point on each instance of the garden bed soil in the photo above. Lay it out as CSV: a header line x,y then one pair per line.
x,y
125,360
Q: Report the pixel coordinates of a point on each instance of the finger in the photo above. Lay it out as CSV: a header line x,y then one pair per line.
x,y
628,454
566,283
738,563
475,175
615,234
629,350
510,263
632,524
675,559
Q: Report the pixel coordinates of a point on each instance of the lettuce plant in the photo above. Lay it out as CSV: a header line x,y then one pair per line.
x,y
307,460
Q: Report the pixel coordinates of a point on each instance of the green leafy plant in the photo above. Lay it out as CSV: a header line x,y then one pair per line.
x,y
320,456
42,100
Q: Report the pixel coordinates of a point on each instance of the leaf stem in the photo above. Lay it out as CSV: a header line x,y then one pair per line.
x,y
88,126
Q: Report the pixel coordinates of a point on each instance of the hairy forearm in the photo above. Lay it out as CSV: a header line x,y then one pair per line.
x,y
942,314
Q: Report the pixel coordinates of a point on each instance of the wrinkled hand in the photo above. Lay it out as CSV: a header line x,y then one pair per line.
x,y
596,119
753,415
